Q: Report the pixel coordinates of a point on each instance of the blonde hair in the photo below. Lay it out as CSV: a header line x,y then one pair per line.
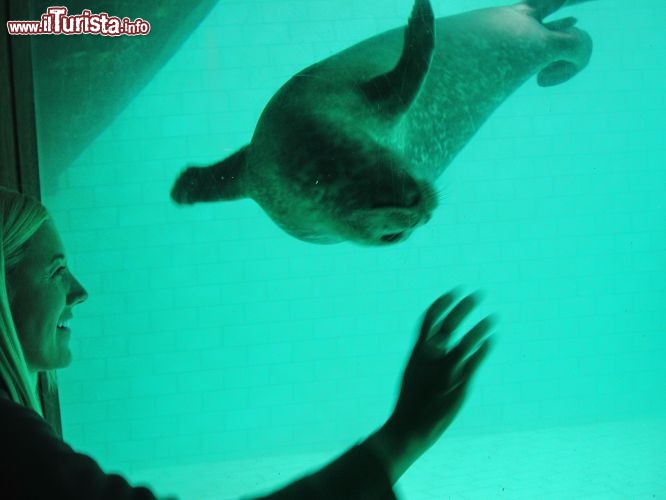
x,y
20,217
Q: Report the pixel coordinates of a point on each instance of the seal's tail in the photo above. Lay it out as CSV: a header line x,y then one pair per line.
x,y
573,46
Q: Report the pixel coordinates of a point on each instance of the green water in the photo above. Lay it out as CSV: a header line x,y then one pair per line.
x,y
210,335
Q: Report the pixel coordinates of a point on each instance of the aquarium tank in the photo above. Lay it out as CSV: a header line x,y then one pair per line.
x,y
219,355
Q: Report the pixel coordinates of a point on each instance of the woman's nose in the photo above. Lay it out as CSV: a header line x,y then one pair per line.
x,y
77,292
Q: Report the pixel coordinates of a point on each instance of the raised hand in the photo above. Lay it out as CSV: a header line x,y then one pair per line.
x,y
434,384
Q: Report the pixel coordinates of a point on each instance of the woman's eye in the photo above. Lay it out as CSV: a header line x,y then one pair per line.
x,y
59,271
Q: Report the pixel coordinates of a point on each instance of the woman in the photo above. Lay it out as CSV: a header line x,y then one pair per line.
x,y
37,295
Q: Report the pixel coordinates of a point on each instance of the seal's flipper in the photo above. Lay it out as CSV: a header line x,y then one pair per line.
x,y
392,93
544,8
561,24
222,181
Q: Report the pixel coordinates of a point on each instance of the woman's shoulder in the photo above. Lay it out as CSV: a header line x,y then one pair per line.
x,y
36,463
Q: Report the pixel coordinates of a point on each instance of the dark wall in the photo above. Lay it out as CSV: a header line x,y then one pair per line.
x,y
18,140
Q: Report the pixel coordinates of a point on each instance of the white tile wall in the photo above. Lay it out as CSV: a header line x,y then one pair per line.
x,y
211,335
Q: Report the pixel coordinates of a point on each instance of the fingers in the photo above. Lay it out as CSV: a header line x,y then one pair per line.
x,y
434,312
454,381
471,339
454,319
469,366
457,366
462,359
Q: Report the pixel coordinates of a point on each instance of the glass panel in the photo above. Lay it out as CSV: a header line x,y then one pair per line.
x,y
220,353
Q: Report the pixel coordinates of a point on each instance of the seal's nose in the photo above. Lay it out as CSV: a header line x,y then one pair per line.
x,y
412,195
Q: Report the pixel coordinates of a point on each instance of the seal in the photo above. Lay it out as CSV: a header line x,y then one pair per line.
x,y
349,149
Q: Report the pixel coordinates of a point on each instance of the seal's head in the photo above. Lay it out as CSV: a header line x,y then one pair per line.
x,y
326,183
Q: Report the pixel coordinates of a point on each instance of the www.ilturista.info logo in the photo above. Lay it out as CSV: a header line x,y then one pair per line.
x,y
56,22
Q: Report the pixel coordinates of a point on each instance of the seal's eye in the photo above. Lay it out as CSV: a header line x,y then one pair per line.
x,y
391,238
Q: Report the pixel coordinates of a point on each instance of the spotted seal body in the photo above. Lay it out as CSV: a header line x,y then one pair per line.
x,y
350,147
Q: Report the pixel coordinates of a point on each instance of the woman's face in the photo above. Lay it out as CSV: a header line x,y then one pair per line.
x,y
42,292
